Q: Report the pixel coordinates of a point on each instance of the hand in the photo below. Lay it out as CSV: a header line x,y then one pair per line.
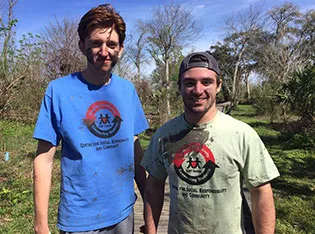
x,y
42,230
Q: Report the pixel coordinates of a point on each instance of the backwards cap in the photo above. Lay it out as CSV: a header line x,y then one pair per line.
x,y
199,59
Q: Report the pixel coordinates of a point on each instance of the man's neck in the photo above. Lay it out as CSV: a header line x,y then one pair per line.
x,y
96,77
206,118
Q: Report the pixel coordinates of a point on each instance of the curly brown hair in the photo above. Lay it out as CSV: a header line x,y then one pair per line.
x,y
103,16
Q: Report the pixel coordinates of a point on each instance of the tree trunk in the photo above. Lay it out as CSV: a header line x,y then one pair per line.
x,y
234,89
138,71
235,98
247,87
167,84
7,36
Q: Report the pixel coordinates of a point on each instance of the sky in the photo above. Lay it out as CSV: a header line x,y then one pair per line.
x,y
34,15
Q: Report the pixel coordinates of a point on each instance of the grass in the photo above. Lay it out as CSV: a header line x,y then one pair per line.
x,y
16,196
15,178
294,190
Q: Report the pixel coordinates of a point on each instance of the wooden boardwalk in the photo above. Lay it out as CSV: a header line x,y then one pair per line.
x,y
163,224
223,106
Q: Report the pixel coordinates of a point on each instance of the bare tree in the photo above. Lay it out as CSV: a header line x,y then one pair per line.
x,y
135,49
242,29
7,79
169,29
7,23
123,68
292,43
60,46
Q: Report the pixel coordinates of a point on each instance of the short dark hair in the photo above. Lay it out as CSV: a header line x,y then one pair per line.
x,y
102,16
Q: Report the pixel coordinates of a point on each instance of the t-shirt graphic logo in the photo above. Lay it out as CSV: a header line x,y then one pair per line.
x,y
103,119
194,163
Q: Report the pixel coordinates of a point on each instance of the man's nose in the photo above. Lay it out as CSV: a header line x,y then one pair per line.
x,y
103,50
198,89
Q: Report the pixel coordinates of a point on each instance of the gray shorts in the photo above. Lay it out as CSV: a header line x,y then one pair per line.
x,y
124,227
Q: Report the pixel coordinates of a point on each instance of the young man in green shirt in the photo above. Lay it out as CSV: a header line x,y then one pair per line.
x,y
207,154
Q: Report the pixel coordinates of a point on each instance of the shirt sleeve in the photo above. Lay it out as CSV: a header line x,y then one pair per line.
x,y
259,167
152,160
46,127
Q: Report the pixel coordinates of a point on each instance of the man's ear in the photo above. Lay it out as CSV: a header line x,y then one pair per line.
x,y
219,86
82,47
121,49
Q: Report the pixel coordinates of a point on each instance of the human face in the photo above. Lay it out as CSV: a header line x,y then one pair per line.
x,y
102,49
199,88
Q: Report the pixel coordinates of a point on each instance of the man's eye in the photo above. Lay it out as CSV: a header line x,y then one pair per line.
x,y
96,44
189,84
112,45
207,82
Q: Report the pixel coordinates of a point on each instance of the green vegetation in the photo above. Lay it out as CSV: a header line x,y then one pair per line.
x,y
16,196
294,190
301,93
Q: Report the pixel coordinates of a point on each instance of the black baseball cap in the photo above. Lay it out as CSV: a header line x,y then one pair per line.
x,y
199,59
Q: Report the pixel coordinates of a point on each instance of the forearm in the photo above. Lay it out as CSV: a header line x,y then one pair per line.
x,y
42,184
140,178
263,209
42,173
154,198
140,175
152,217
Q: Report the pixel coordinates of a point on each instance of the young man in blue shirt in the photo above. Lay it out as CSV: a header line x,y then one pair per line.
x,y
97,116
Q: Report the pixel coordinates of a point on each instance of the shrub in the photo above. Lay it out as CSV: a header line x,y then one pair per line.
x,y
265,101
301,93
298,140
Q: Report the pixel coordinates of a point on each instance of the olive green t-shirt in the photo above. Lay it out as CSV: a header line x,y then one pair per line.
x,y
206,165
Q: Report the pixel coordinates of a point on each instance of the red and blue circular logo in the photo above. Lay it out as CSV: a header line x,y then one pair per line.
x,y
103,119
194,163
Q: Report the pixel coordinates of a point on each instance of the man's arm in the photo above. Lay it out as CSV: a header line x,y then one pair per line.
x,y
42,173
263,209
153,203
140,175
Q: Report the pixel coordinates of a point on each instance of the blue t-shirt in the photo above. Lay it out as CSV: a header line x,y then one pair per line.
x,y
97,125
